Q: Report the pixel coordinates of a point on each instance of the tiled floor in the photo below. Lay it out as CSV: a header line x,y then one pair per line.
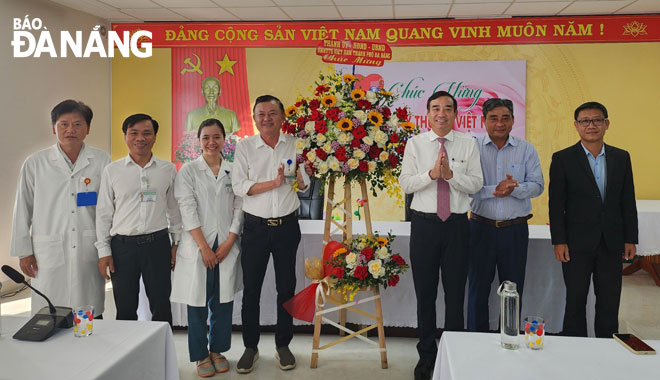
x,y
639,314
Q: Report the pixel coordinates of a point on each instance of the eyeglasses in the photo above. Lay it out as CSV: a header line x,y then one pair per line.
x,y
596,122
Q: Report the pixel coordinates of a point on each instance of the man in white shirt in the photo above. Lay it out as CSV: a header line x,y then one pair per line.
x,y
55,211
270,225
136,205
441,167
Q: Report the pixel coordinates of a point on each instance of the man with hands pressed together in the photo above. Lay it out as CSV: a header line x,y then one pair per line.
x,y
136,206
500,210
441,167
593,221
270,225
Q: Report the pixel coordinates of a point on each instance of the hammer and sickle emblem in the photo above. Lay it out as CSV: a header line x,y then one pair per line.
x,y
194,68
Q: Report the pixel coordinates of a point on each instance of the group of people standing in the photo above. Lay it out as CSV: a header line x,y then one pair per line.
x,y
593,217
80,219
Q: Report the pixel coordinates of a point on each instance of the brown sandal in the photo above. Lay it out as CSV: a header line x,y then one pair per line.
x,y
219,362
205,367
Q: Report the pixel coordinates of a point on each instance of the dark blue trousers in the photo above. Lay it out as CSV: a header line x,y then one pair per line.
x,y
504,248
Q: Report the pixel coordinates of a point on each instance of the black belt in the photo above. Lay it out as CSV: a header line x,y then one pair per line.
x,y
501,223
141,239
271,222
434,216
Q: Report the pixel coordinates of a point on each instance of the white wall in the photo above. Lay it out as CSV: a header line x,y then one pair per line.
x,y
31,87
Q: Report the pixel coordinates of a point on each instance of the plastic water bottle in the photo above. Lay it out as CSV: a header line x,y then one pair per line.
x,y
509,316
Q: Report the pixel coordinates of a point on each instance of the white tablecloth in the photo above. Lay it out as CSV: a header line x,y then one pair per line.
x,y
478,356
116,350
648,215
544,292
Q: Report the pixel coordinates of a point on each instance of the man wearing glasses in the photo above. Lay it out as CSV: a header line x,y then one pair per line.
x,y
500,210
593,221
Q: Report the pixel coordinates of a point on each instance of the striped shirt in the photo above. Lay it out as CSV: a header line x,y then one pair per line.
x,y
518,158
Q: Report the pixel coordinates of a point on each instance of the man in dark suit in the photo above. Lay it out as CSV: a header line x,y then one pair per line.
x,y
593,221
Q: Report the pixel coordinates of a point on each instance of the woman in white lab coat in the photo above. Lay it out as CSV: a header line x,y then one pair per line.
x,y
208,265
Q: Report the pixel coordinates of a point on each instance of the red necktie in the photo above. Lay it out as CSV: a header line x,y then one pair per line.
x,y
443,210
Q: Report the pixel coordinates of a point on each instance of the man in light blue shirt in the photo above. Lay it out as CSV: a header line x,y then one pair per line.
x,y
598,166
500,210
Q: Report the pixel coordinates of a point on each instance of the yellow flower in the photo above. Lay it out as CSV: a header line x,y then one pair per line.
x,y
386,93
348,78
290,111
375,118
339,252
381,241
329,100
345,124
408,125
357,94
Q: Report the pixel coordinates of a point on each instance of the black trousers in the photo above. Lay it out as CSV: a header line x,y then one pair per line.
x,y
152,261
606,268
257,243
436,248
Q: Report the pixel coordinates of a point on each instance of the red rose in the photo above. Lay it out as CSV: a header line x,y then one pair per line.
x,y
398,259
392,281
363,104
368,253
338,272
363,166
320,127
402,113
314,104
340,153
321,89
386,112
316,115
355,143
301,121
374,151
332,114
360,272
320,153
394,138
394,160
301,103
359,133
401,148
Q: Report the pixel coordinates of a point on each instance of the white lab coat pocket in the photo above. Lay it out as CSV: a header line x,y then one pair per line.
x,y
188,250
89,250
458,166
48,250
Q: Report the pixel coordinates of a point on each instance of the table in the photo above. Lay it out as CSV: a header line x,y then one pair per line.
x,y
116,350
648,220
544,293
467,356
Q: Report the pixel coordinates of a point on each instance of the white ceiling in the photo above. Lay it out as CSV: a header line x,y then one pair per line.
x,y
298,10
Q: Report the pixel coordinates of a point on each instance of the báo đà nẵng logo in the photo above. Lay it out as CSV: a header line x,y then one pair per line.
x,y
33,39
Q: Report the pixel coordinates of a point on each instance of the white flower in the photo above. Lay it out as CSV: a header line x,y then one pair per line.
x,y
383,156
376,268
382,253
323,167
393,122
351,260
333,164
358,153
360,246
301,144
320,138
327,147
361,115
381,138
311,156
368,140
344,138
340,99
371,97
372,166
353,163
309,127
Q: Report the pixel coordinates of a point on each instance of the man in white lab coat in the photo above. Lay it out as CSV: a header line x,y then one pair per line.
x,y
55,211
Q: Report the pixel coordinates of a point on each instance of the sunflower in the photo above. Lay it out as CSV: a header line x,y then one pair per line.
x,y
290,111
381,241
345,124
357,94
375,118
348,78
329,100
339,252
408,125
